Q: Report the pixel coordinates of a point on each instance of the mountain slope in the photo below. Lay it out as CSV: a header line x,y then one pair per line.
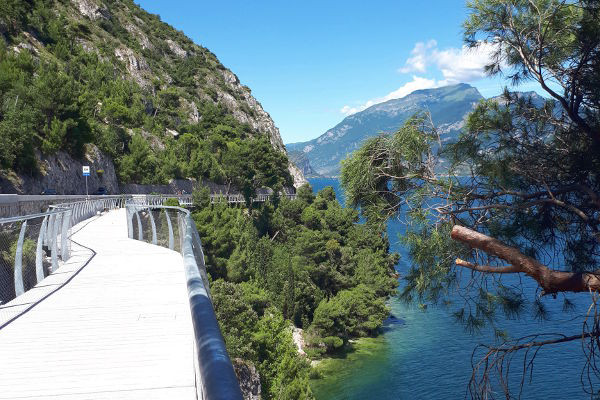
x,y
448,107
299,159
77,75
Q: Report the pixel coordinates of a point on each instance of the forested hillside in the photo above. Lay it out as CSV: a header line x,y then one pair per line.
x,y
305,263
75,74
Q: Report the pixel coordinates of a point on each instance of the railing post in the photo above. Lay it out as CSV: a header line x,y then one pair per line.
x,y
39,261
129,222
18,273
153,224
139,224
171,236
64,253
180,226
54,250
49,230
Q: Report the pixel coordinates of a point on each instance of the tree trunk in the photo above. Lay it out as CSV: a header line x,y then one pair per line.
x,y
550,280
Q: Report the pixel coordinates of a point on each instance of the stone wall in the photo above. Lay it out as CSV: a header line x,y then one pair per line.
x,y
62,173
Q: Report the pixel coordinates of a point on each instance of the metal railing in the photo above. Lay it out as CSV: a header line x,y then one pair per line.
x,y
12,204
173,227
32,246
186,199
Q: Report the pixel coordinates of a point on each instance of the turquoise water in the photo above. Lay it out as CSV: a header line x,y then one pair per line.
x,y
425,354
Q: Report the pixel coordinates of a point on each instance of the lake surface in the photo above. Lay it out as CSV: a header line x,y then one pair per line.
x,y
425,354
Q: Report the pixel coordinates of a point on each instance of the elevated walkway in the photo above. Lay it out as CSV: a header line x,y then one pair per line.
x,y
120,329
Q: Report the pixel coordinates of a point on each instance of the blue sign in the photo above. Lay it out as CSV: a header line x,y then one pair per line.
x,y
86,170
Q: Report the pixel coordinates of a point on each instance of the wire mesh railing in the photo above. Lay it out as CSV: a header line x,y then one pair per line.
x,y
173,228
13,205
32,247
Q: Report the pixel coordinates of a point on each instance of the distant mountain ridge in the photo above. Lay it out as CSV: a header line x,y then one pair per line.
x,y
448,106
300,160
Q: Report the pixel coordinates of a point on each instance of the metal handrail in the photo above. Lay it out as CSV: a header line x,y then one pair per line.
x,y
8,220
11,204
215,373
216,378
52,239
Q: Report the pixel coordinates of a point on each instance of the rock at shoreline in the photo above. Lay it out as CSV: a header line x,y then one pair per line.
x,y
249,379
298,340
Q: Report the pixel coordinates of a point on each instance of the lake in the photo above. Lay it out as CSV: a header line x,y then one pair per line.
x,y
425,354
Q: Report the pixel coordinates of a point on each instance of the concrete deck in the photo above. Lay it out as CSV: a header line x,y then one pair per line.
x,y
120,329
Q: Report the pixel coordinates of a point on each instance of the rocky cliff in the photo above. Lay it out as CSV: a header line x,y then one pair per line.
x,y
63,173
131,74
300,159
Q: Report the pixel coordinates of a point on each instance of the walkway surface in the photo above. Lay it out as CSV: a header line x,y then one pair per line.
x,y
120,329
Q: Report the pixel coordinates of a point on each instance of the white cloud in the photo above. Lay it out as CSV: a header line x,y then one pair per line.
x,y
418,61
456,65
409,87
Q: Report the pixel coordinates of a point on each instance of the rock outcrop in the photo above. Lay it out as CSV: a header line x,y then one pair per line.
x,y
63,173
163,62
249,379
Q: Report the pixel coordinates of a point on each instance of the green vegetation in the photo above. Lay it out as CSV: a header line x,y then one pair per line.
x,y
329,371
171,203
304,262
67,81
530,205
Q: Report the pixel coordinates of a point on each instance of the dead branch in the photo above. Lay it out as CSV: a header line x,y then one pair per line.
x,y
550,280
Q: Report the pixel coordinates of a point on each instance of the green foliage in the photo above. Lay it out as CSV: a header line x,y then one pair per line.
x,y
217,226
261,335
61,96
201,197
276,268
140,164
172,202
350,313
531,168
373,190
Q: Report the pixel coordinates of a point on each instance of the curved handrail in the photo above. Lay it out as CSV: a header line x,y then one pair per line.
x,y
52,241
216,378
216,375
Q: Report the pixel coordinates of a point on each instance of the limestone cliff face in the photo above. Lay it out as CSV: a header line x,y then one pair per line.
x,y
299,159
217,84
158,59
63,173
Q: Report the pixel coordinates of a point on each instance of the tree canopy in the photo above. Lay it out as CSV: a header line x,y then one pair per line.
x,y
302,263
63,86
522,191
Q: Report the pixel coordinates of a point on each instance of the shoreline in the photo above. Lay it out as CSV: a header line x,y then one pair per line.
x,y
328,370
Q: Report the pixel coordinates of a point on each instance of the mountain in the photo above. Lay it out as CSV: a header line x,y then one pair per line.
x,y
107,84
300,160
448,107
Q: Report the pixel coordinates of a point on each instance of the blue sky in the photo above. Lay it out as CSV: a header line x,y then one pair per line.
x,y
311,63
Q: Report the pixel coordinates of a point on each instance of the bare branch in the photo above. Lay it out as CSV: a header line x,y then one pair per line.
x,y
550,280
